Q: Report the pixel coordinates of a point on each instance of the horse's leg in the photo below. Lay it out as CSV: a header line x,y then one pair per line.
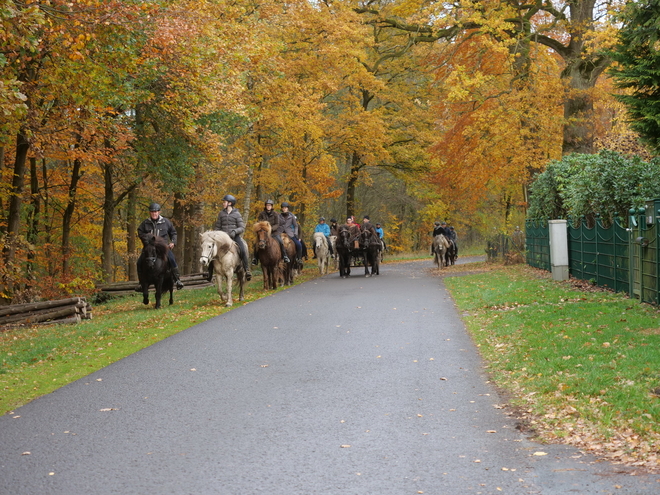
x,y
229,277
145,293
159,293
171,295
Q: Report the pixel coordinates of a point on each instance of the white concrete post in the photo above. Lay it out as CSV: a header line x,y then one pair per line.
x,y
558,249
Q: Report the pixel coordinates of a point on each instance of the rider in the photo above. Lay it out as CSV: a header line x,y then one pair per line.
x,y
334,228
454,237
367,225
289,226
354,229
273,218
438,229
230,221
381,234
324,228
161,227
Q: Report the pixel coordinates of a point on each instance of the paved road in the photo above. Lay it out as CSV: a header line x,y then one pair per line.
x,y
358,386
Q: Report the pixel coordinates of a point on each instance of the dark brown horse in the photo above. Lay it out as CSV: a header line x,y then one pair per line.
x,y
153,268
370,245
344,249
267,250
450,254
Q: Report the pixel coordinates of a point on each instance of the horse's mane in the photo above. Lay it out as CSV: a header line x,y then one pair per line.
x,y
218,236
159,244
264,225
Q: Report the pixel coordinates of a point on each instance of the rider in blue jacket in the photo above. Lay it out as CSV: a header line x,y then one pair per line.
x,y
324,229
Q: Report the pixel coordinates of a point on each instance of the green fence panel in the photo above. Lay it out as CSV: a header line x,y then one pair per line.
x,y
537,244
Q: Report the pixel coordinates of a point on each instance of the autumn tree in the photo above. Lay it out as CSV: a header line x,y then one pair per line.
x,y
637,54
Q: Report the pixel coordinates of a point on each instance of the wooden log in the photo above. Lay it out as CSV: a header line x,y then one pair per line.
x,y
36,318
27,314
22,308
62,321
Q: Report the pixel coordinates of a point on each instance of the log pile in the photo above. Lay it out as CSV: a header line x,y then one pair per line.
x,y
193,281
70,310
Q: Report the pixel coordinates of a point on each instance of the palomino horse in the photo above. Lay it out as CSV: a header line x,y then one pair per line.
x,y
440,246
153,267
371,246
268,252
218,248
320,244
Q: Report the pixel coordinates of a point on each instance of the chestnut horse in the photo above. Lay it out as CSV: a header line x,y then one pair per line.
x,y
267,250
288,270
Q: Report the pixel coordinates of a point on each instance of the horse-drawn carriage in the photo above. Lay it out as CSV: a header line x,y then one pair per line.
x,y
358,248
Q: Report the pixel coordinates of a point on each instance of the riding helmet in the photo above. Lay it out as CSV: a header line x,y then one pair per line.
x,y
269,202
333,220
231,199
366,217
322,219
154,207
284,204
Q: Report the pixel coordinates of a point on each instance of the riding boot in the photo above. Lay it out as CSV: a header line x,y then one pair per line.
x,y
248,275
255,261
314,249
175,277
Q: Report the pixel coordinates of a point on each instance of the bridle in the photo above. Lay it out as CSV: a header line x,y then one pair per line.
x,y
212,254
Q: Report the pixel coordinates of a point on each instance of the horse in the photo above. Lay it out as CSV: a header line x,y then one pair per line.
x,y
333,241
371,246
343,250
153,267
440,246
218,248
320,246
267,250
289,270
450,255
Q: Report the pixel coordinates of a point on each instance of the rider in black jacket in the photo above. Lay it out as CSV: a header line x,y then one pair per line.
x,y
161,227
230,221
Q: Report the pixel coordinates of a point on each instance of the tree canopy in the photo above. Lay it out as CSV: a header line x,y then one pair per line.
x,y
407,111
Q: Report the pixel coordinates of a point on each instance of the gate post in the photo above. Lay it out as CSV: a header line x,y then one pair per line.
x,y
558,249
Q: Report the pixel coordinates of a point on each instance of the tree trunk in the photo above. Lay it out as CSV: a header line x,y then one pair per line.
x,y
67,217
108,216
178,220
16,198
351,185
131,235
35,210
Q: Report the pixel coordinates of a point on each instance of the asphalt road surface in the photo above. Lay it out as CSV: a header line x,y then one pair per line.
x,y
365,386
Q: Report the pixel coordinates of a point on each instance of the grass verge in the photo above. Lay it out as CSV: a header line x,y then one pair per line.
x,y
35,361
581,366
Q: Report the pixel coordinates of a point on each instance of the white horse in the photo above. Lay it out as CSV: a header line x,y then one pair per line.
x,y
320,246
440,246
218,248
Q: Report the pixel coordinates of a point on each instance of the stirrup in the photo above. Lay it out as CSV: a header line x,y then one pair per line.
x,y
286,259
179,285
255,261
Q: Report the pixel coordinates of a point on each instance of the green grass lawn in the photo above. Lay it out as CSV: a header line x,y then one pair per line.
x,y
583,366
